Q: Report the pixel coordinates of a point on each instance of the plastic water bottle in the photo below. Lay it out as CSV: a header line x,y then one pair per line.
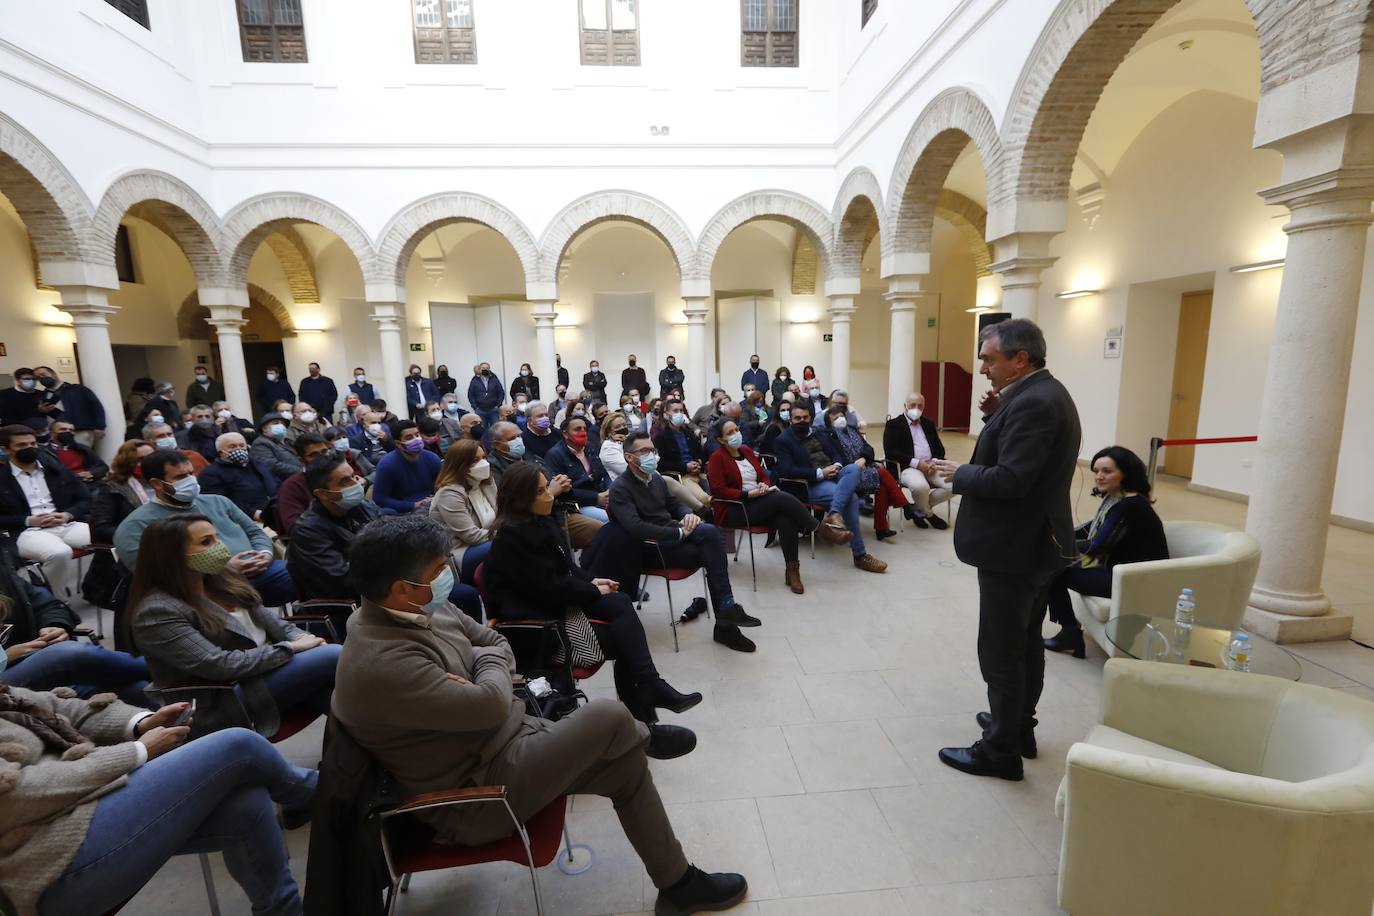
x,y
1238,659
1183,610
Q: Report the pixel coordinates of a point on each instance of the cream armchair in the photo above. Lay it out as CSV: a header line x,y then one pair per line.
x,y
1217,563
1206,791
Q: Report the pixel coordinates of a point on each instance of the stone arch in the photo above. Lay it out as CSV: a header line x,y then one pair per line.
x,y
416,220
55,211
1085,42
652,214
192,317
248,224
794,209
972,222
858,217
946,125
169,204
286,243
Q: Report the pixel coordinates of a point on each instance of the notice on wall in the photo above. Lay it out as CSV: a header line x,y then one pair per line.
x,y
827,338
417,348
1111,348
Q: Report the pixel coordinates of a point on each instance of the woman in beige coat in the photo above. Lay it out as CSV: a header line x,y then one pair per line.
x,y
465,503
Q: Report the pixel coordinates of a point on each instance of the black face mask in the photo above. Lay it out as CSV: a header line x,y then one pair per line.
x,y
27,455
67,439
632,362
754,364
802,428
486,372
48,381
477,432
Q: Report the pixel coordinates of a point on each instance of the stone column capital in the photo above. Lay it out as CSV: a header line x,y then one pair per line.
x,y
904,290
1339,197
389,316
696,308
841,307
1021,271
542,310
86,304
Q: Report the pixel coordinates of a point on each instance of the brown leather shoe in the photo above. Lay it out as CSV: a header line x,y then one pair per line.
x,y
793,578
870,563
833,531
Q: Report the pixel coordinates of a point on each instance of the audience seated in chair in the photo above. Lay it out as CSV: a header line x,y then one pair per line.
x,y
272,450
121,492
465,503
177,492
80,459
1125,529
508,448
405,478
539,433
531,573
736,475
43,506
874,479
194,619
428,692
294,495
805,453
572,458
641,504
249,484
101,794
911,442
680,452
43,653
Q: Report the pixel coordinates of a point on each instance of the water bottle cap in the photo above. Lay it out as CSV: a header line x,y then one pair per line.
x,y
1187,591
1243,636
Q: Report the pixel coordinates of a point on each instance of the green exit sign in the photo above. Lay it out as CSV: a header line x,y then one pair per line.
x,y
827,338
417,348
930,322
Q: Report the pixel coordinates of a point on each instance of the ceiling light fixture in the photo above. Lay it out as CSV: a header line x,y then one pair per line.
x,y
979,309
1077,293
1258,265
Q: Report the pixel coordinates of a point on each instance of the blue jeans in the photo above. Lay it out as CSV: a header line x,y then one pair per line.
x,y
844,501
472,558
274,585
86,668
307,680
488,416
214,794
595,512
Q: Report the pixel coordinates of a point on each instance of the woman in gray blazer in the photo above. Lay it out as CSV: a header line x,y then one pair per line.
x,y
197,619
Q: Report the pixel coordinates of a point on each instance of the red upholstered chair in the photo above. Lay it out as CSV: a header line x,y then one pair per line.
x,y
409,847
749,530
669,575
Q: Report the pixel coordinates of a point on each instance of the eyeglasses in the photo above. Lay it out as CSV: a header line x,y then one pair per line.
x,y
645,451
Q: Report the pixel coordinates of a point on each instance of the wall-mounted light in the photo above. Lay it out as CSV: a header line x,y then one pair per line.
x,y
309,330
679,324
566,327
1258,265
1077,293
803,321
979,309
58,324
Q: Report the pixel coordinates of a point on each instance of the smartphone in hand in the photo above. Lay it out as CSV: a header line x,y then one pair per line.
x,y
186,714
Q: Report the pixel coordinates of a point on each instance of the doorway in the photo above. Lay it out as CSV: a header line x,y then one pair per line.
x,y
257,357
1190,364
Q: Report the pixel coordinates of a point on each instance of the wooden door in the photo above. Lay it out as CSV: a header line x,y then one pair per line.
x,y
1190,362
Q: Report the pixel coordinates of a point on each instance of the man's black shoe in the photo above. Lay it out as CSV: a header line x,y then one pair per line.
x,y
916,517
1068,639
694,610
1028,748
974,760
701,892
669,741
885,533
665,696
731,638
734,614
936,522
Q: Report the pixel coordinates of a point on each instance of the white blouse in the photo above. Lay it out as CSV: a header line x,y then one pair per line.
x,y
748,476
250,626
613,458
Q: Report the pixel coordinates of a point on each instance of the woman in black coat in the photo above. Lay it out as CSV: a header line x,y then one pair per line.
x,y
526,383
531,573
1124,530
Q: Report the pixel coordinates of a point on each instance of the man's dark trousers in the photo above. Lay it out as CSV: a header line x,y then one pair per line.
x,y
1011,654
702,547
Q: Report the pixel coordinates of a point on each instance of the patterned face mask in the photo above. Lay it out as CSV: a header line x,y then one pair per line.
x,y
211,561
237,456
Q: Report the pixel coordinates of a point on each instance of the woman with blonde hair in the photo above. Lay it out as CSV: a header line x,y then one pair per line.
x,y
465,503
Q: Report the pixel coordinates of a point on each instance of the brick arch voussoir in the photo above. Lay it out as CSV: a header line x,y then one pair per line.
x,y
858,215
798,211
55,211
192,317
409,227
615,205
174,208
248,224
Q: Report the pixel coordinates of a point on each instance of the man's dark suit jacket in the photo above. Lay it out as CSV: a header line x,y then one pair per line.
x,y
897,440
585,487
1015,515
794,460
69,494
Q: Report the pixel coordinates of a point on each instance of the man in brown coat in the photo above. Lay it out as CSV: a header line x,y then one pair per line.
x,y
427,691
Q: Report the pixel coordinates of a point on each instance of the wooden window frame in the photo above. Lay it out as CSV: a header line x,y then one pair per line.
x,y
276,32
623,42
866,10
771,50
137,10
455,44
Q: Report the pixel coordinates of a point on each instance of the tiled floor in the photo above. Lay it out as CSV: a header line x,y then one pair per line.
x,y
816,773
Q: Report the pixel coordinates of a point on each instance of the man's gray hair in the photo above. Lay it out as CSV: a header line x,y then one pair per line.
x,y
1015,335
533,404
499,428
838,393
150,427
225,437
163,386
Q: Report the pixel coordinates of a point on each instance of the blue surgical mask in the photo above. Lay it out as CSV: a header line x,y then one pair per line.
x,y
186,490
439,589
276,430
735,439
516,447
341,445
351,497
648,463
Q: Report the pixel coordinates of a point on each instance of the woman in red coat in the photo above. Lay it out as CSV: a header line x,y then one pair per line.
x,y
736,474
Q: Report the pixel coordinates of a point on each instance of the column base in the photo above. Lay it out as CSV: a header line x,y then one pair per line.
x,y
1288,628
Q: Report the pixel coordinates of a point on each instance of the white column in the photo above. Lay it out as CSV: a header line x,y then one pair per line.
x,y
695,309
841,310
390,318
228,322
546,346
1304,403
91,311
904,291
1021,259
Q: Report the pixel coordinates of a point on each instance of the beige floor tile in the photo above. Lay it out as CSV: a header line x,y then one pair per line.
x,y
614,883
845,755
724,836
918,740
957,832
835,651
1019,896
1351,659
730,763
867,903
832,843
849,695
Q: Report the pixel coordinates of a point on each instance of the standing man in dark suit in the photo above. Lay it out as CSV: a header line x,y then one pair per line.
x,y
562,373
204,389
319,391
594,382
419,391
1016,526
362,387
754,376
634,377
670,377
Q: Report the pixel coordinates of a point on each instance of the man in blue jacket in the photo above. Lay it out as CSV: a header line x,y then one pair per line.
x,y
583,467
362,387
419,392
806,453
75,403
486,394
248,483
754,376
404,481
319,392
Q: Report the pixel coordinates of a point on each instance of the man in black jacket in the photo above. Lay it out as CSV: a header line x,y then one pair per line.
x,y
319,391
594,381
634,377
1016,527
912,442
233,474
75,457
24,402
670,377
42,506
73,402
641,504
581,466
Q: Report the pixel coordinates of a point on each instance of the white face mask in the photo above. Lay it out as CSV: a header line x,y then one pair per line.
x,y
225,414
481,470
839,422
308,416
436,414
359,378
913,414
375,429
271,376
285,414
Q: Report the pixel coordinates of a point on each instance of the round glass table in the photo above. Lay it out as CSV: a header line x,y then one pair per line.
x,y
1157,639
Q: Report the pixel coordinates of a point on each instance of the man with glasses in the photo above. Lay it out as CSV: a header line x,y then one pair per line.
x,y
641,504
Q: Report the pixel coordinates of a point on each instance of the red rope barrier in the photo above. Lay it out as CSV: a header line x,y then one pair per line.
x,y
1209,441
